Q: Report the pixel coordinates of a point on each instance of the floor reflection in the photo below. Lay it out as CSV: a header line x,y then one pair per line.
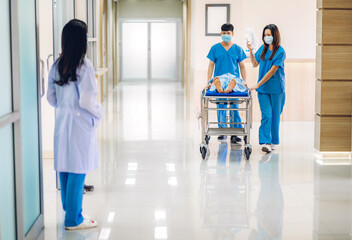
x,y
270,205
226,195
332,201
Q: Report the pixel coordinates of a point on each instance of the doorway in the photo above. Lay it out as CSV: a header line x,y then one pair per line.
x,y
150,50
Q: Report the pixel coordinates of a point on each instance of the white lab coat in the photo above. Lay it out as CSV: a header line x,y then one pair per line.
x,y
77,115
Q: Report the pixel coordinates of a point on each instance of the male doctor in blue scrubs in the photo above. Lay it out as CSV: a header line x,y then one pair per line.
x,y
227,57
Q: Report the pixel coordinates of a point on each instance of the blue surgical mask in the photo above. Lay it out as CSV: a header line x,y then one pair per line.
x,y
268,39
226,38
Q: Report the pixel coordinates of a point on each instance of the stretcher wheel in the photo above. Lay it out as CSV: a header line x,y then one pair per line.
x,y
207,138
203,152
247,152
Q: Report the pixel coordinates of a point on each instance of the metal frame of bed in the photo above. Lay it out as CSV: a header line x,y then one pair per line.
x,y
208,128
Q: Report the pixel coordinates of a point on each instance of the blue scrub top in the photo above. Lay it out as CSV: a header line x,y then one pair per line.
x,y
276,84
226,61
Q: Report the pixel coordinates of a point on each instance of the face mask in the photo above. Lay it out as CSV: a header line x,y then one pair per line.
x,y
268,39
226,38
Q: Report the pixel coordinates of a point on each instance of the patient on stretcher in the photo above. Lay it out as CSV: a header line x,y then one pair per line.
x,y
227,83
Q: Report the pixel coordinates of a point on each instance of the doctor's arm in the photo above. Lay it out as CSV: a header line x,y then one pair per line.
x,y
210,69
88,90
267,76
243,71
51,92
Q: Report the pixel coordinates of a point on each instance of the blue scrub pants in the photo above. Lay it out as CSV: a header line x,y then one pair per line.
x,y
271,106
234,116
72,186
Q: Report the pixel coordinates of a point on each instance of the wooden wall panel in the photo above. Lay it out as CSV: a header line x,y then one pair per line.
x,y
300,91
318,62
319,22
317,128
334,62
333,133
339,4
334,98
332,27
318,97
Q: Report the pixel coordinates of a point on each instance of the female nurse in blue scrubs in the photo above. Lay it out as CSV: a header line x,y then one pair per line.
x,y
227,57
271,85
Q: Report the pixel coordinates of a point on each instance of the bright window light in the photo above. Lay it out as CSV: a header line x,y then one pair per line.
x,y
172,181
111,217
160,215
130,181
170,167
132,166
105,234
160,233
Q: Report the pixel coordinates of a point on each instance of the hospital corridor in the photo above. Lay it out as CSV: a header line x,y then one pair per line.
x,y
176,119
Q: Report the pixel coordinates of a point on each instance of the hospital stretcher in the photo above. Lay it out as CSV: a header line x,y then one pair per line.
x,y
208,103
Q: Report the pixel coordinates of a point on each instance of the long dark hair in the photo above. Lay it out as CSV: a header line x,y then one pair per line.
x,y
74,48
276,41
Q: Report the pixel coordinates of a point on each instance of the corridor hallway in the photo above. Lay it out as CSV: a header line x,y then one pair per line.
x,y
153,183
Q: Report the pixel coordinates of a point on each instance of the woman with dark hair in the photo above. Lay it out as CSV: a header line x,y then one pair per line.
x,y
73,91
271,85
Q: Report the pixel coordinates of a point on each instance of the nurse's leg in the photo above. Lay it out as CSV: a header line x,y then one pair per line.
x,y
235,116
278,102
265,127
221,115
75,184
63,185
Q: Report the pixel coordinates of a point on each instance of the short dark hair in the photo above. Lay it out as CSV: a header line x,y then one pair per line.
x,y
227,27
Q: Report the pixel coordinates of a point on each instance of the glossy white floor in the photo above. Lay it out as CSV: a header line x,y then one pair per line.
x,y
153,184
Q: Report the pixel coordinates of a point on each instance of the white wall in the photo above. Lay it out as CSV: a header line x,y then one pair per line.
x,y
295,19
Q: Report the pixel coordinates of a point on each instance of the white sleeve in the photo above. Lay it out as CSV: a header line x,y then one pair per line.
x,y
51,92
88,91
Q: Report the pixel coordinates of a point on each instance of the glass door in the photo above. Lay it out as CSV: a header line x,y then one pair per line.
x,y
30,97
134,50
7,160
163,40
21,205
150,50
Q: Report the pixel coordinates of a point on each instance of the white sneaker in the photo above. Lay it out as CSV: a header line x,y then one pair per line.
x,y
266,148
87,223
274,146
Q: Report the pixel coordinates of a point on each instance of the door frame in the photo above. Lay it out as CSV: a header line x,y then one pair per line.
x,y
38,225
149,21
14,118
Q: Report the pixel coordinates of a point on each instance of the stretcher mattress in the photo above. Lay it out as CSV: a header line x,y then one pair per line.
x,y
232,94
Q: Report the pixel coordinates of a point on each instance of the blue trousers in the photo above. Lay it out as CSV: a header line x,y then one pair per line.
x,y
234,116
271,106
72,185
